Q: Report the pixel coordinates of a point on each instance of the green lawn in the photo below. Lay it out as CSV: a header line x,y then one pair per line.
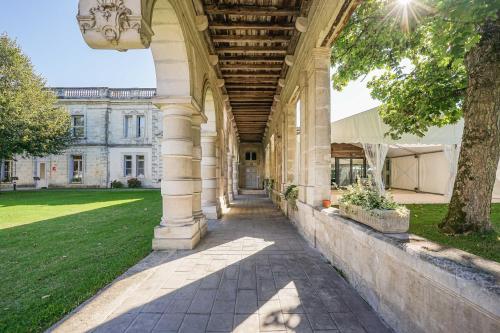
x,y
59,247
424,221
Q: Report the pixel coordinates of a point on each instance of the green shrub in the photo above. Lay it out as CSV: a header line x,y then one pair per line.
x,y
269,184
134,183
116,184
367,196
291,194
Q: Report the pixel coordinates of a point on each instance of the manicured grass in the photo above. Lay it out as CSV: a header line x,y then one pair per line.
x,y
59,247
424,221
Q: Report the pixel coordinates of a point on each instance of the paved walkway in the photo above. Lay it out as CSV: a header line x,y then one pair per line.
x,y
252,273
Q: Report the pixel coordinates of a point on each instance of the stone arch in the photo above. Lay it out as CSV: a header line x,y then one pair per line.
x,y
209,110
209,196
170,52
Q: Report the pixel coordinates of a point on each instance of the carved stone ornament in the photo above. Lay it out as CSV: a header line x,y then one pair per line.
x,y
115,25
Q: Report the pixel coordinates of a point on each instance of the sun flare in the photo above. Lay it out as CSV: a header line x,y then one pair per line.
x,y
407,12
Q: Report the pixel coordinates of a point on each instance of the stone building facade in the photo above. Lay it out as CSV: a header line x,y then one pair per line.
x,y
117,137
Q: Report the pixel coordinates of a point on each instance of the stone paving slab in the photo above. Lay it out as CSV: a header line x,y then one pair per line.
x,y
253,272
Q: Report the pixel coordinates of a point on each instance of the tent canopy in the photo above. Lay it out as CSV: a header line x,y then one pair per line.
x,y
368,127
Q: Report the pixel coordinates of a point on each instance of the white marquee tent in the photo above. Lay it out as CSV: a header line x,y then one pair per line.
x,y
426,163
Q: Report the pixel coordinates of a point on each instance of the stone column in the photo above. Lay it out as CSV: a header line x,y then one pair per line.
x,y
235,176
178,228
209,202
318,128
303,153
291,133
222,172
230,177
197,184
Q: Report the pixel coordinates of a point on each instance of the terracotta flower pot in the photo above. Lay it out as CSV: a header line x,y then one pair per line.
x,y
327,203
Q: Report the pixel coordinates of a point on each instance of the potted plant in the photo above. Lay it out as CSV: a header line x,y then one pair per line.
x,y
362,202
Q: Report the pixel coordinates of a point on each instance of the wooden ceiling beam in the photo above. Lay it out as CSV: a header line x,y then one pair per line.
x,y
236,92
252,112
252,109
250,72
250,66
236,104
250,10
248,113
269,75
249,81
250,117
249,99
250,86
251,92
254,103
249,59
250,49
251,25
249,120
250,38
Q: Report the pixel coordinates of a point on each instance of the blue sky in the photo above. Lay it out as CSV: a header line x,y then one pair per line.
x,y
53,42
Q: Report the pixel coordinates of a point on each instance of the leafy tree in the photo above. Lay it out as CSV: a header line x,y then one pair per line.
x,y
439,61
30,122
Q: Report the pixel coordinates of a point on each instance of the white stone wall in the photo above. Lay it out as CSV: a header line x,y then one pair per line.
x,y
116,159
258,164
102,147
416,285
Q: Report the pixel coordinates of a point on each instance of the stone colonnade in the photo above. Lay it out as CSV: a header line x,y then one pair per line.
x,y
300,155
200,147
190,184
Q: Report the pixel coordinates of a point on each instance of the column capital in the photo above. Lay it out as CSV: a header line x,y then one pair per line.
x,y
187,103
321,52
208,136
197,119
320,58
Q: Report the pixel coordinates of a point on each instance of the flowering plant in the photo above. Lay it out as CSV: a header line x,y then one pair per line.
x,y
365,195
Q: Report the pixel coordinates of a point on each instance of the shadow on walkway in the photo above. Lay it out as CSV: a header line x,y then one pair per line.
x,y
251,273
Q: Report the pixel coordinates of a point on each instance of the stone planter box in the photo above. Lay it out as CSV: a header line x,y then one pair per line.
x,y
386,221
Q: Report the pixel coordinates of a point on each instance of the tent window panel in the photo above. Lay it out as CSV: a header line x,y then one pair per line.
x,y
357,169
346,171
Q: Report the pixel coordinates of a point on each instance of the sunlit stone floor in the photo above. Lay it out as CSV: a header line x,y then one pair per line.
x,y
251,273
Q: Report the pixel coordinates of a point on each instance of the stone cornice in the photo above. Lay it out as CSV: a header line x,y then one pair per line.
x,y
104,93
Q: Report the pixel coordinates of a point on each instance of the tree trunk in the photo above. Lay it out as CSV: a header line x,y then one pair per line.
x,y
470,205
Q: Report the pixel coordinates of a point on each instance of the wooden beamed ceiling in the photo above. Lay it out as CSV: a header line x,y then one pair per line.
x,y
251,40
